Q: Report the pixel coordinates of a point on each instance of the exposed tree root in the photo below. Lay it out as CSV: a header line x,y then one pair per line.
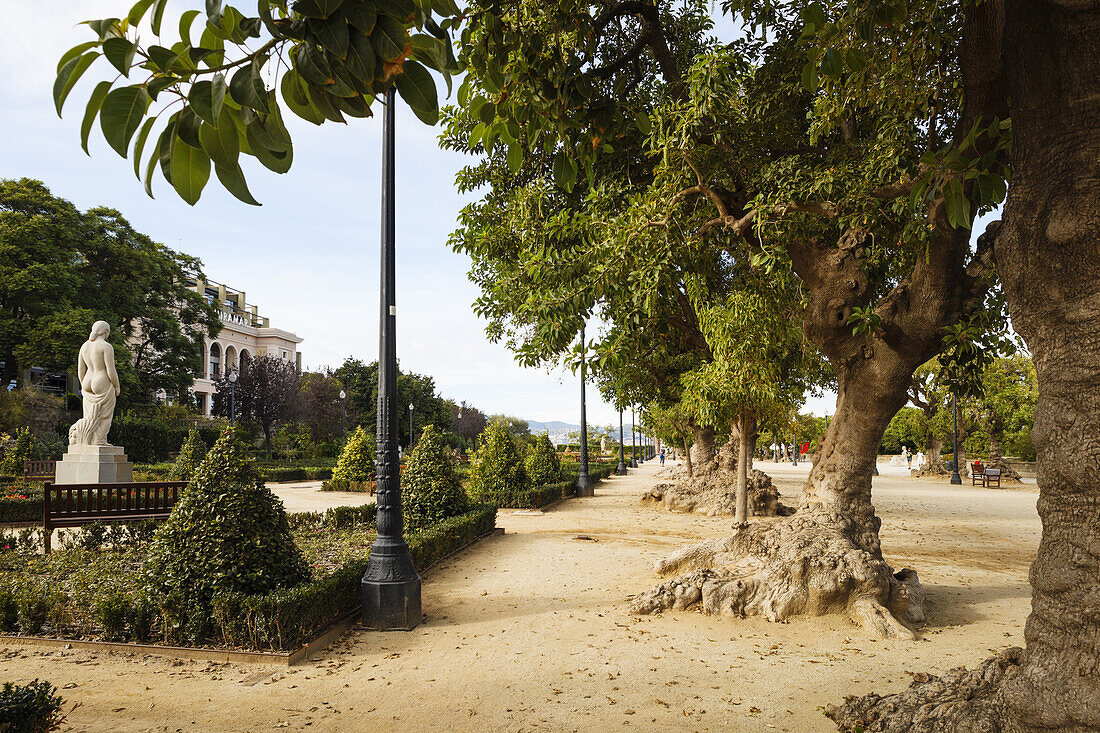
x,y
715,494
808,564
962,701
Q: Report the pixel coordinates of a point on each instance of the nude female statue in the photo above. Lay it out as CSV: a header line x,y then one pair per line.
x,y
99,385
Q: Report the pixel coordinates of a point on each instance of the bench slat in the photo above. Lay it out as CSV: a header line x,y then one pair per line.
x,y
71,505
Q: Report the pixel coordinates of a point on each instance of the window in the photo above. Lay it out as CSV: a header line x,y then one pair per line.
x,y
215,361
285,357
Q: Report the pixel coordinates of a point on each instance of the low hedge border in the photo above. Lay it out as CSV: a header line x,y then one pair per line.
x,y
274,474
287,619
540,496
20,511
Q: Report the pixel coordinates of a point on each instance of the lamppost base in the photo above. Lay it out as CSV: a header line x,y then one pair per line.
x,y
392,605
585,487
956,478
634,464
621,469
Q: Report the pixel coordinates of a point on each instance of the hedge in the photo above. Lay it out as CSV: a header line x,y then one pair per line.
x,y
287,619
13,510
151,440
274,474
539,496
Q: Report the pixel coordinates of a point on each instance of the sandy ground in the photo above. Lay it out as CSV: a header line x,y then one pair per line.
x,y
528,631
306,496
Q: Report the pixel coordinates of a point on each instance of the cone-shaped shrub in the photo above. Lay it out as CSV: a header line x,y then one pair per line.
x,y
430,490
228,532
356,462
543,463
191,454
496,468
22,449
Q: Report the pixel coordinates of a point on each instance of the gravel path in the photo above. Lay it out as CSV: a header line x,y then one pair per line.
x,y
528,631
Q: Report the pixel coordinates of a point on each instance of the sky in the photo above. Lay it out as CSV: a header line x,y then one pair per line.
x,y
309,256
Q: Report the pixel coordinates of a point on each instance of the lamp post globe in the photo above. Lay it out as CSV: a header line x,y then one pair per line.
x,y
233,398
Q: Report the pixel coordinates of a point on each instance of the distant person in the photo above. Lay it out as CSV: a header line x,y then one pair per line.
x,y
908,457
662,456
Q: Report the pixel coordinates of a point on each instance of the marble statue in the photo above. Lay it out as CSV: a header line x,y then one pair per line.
x,y
100,388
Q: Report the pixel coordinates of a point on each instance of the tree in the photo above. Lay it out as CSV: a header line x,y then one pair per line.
x,y
908,428
264,393
361,383
325,58
227,534
317,405
516,426
471,423
61,270
190,457
543,464
496,468
356,462
430,489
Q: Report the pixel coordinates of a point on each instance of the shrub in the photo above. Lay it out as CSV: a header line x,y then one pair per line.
x,y
191,454
357,460
543,464
14,509
430,490
145,441
30,708
227,533
496,470
22,449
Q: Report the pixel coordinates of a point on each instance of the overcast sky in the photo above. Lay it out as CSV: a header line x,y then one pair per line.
x,y
309,256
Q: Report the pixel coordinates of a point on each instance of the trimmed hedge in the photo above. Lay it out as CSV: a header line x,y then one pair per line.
x,y
539,496
14,510
153,441
274,474
286,619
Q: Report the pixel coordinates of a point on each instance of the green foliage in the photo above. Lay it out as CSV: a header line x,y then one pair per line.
x,y
430,489
30,708
324,58
356,462
227,533
149,440
543,464
496,468
22,449
909,427
190,456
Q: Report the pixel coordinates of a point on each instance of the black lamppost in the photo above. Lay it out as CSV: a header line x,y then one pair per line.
x,y
633,441
621,468
233,398
391,585
794,453
343,429
585,487
461,440
410,427
955,477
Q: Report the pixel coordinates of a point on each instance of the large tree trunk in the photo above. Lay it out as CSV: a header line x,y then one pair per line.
x,y
1047,259
745,428
933,458
704,449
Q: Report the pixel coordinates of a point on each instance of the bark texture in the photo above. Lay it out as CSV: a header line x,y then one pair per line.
x,y
703,452
1047,258
933,459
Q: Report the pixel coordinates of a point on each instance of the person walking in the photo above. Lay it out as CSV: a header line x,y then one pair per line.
x,y
662,456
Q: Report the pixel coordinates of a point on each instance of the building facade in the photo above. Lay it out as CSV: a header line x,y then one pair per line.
x,y
245,334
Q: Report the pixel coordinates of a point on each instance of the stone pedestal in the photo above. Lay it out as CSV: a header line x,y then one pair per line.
x,y
94,464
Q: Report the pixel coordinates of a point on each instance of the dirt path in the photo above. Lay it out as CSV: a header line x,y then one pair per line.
x,y
528,631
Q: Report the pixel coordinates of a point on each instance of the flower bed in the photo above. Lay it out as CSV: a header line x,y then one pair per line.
x,y
94,588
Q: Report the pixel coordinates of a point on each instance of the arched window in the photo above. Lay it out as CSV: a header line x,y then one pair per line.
x,y
215,361
230,359
245,356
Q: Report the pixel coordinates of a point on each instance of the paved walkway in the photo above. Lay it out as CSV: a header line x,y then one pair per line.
x,y
528,631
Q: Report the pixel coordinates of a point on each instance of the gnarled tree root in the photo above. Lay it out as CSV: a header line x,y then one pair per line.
x,y
962,701
805,565
714,494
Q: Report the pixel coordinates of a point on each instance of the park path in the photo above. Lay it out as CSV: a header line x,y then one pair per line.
x,y
529,631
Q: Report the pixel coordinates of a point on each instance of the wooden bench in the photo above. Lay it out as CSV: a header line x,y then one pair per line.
x,y
991,477
39,470
71,505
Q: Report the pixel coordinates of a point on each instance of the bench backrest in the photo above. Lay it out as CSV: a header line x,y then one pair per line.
x,y
993,472
39,469
73,504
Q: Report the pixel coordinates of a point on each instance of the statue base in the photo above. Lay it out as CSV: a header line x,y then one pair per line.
x,y
94,464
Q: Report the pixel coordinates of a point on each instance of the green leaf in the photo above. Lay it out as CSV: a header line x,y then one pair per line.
x,y
73,52
565,171
402,10
317,8
809,77
388,38
814,14
220,141
188,127
121,116
158,16
279,162
120,52
201,100
164,139
958,207
361,57
139,144
190,171
162,57
68,76
832,64
487,112
357,106
332,34
857,59
361,16
515,158
186,20
417,88
92,111
297,98
642,122
137,12
243,88
309,61
233,180
159,84
323,103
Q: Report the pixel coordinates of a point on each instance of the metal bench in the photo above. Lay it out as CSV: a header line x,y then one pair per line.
x,y
39,470
72,505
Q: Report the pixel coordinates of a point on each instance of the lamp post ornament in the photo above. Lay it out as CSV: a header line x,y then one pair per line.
x,y
584,482
621,468
233,398
390,585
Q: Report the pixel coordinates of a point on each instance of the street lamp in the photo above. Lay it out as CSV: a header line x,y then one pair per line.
x,y
233,398
343,430
794,453
410,427
390,585
461,438
621,468
633,441
955,477
585,487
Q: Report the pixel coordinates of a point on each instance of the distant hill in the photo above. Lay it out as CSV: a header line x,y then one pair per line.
x,y
559,431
